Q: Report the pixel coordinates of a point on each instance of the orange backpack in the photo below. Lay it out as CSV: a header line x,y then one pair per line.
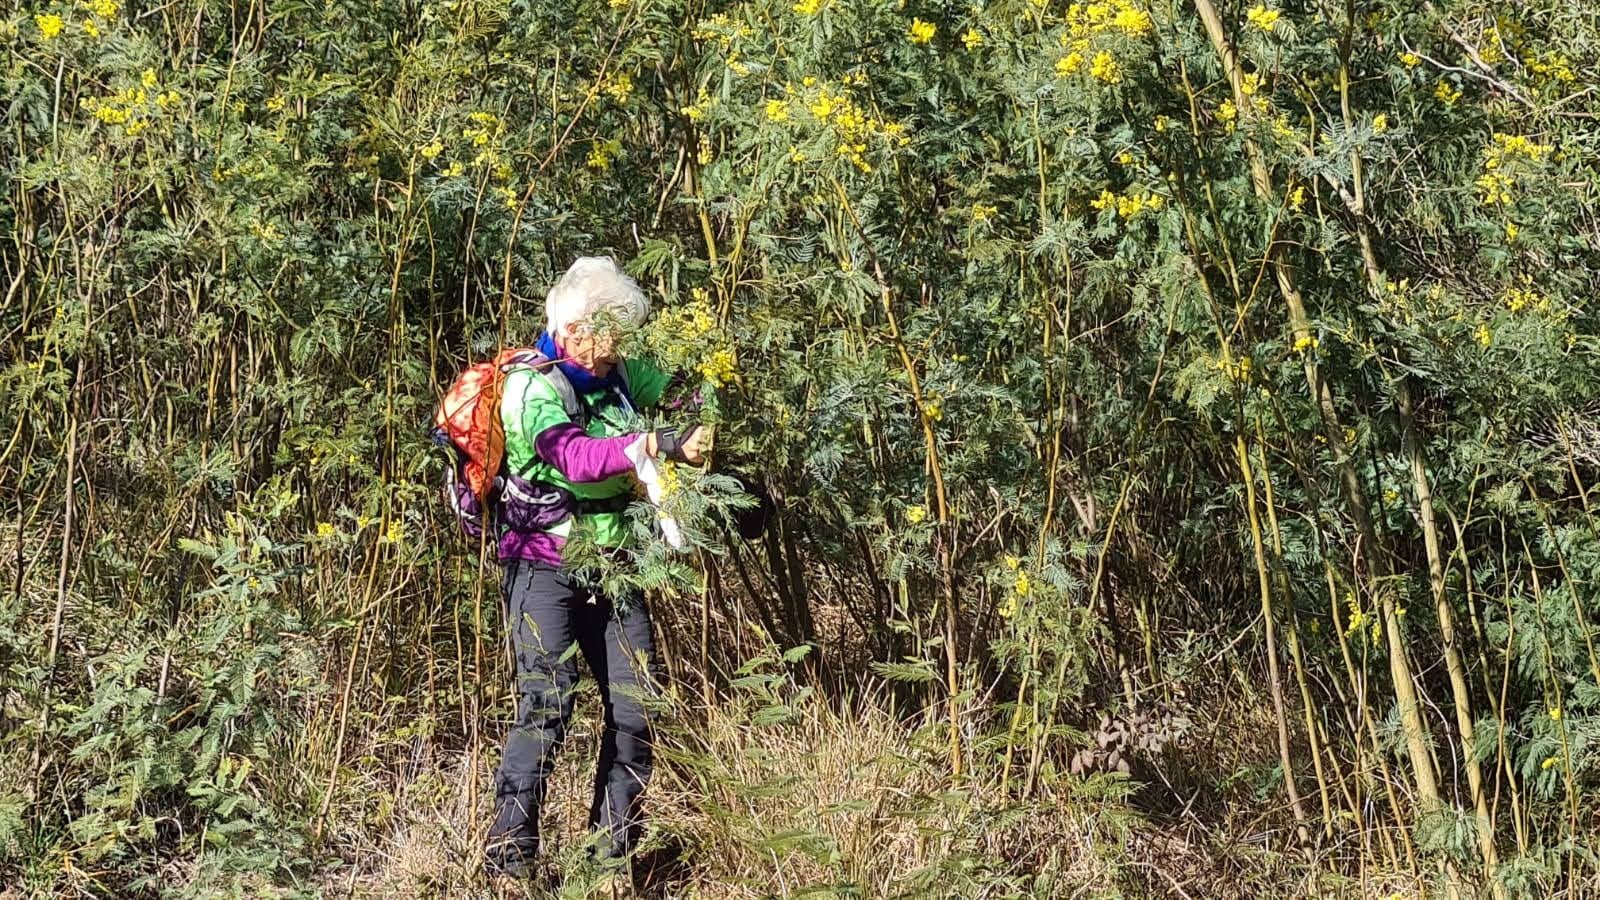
x,y
468,422
468,418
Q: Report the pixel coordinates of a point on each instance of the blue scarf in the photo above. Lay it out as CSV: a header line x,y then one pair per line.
x,y
583,381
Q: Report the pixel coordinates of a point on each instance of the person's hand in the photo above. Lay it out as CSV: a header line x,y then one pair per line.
x,y
689,448
695,447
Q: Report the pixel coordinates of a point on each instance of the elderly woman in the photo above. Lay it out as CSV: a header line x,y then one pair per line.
x,y
568,463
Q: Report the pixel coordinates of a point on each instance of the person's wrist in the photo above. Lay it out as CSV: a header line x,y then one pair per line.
x,y
651,448
670,442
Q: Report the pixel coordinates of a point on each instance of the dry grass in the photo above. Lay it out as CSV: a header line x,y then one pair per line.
x,y
771,792
839,799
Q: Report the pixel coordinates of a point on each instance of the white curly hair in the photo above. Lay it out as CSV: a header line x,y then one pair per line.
x,y
592,284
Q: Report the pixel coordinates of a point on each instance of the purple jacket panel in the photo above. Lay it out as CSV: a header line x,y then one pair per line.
x,y
582,458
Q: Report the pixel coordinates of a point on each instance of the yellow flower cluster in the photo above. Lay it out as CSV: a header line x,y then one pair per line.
x,y
100,11
916,515
130,107
691,321
1104,68
1306,343
266,232
983,213
1552,67
50,25
1228,114
1358,620
1021,586
1396,298
722,29
1483,335
1084,20
972,39
1250,86
697,110
1131,20
1491,52
117,109
602,153
485,127
484,133
1262,18
1410,60
687,330
1518,299
1127,206
1236,371
921,32
852,126
719,368
1512,145
1501,161
1446,94
618,86
1008,608
809,7
1496,187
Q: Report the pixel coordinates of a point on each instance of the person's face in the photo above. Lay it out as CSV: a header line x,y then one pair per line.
x,y
594,349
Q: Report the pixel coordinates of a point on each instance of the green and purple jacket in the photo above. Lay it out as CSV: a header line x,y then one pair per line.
x,y
546,448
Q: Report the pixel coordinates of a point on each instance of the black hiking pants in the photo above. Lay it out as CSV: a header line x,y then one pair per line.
x,y
553,620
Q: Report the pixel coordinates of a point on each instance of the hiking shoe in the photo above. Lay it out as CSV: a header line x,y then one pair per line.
x,y
510,857
513,839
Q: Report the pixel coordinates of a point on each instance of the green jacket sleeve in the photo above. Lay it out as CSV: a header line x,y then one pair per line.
x,y
645,382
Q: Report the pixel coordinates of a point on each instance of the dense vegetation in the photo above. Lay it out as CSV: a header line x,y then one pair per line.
x,y
1182,417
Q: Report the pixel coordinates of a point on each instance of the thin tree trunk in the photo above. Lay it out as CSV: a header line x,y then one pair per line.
x,y
1265,584
1461,695
1412,724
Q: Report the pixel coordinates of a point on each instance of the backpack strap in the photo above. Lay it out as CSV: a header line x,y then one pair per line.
x,y
554,377
627,384
569,398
